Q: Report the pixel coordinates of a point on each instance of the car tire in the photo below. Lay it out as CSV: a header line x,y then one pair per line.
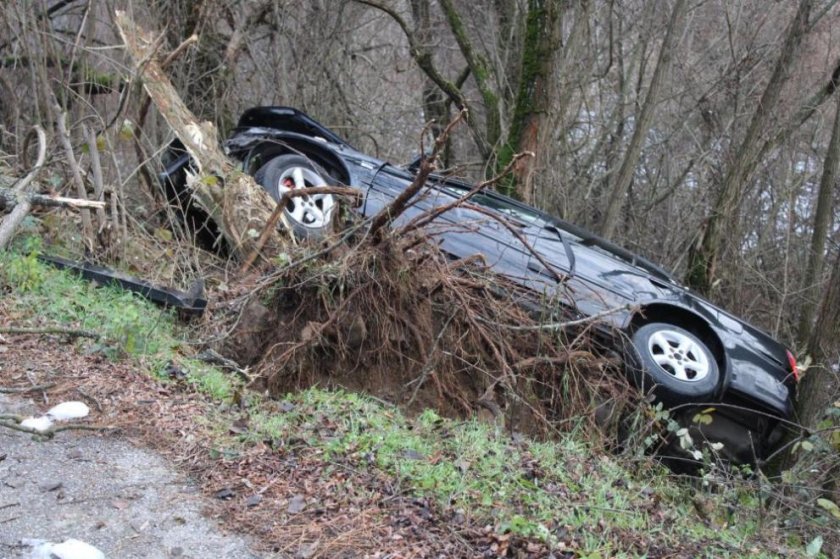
x,y
308,216
673,363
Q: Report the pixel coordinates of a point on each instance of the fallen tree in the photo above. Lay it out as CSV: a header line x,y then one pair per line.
x,y
238,206
383,310
18,197
379,308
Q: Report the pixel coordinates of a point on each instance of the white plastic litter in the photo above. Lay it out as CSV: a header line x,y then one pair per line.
x,y
66,411
42,423
69,549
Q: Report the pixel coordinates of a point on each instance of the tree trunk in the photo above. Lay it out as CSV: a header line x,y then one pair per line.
x,y
821,383
533,99
482,73
822,220
703,257
239,207
435,107
615,200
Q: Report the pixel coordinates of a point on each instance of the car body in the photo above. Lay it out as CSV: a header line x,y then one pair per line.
x,y
695,354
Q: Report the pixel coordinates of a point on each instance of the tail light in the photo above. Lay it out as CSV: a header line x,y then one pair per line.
x,y
792,364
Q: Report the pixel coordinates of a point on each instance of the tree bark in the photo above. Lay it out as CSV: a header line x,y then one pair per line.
x,y
821,384
18,197
615,198
14,199
822,221
533,98
239,207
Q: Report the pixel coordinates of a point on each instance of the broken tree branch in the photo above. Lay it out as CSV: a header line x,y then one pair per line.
x,y
12,221
73,332
424,219
8,199
25,389
428,164
50,433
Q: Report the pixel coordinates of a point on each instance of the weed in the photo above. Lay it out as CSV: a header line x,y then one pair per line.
x,y
23,270
544,490
211,381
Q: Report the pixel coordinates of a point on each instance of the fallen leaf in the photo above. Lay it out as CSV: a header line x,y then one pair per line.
x,y
239,427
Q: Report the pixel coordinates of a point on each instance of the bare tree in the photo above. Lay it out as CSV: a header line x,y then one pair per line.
x,y
822,221
615,199
703,258
821,384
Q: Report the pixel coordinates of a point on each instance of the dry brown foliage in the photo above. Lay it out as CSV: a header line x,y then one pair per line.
x,y
400,320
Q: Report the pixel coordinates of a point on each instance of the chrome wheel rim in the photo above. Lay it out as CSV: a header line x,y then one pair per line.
x,y
309,210
679,355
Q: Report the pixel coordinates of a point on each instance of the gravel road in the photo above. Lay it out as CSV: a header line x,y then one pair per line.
x,y
127,501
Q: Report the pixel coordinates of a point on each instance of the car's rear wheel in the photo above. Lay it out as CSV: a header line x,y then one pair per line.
x,y
673,363
308,215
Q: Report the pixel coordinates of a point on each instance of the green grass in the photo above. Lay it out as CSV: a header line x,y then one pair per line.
x,y
528,488
129,326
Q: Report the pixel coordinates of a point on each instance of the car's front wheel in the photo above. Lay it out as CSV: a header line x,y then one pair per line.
x,y
674,363
308,215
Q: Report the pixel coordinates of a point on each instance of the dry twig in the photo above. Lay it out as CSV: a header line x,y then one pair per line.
x,y
271,224
24,390
51,432
564,325
427,165
72,332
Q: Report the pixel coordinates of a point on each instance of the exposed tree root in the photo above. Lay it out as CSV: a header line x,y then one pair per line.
x,y
386,311
416,328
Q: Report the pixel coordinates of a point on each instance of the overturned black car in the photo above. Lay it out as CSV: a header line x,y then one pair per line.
x,y
690,353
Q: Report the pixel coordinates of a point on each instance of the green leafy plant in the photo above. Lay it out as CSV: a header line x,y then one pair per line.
x,y
22,270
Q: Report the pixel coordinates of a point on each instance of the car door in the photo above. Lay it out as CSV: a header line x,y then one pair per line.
x,y
460,231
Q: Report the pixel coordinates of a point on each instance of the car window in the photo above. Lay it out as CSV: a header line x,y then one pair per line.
x,y
497,204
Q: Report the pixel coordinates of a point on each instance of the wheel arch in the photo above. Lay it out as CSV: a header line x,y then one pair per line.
x,y
261,153
684,318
